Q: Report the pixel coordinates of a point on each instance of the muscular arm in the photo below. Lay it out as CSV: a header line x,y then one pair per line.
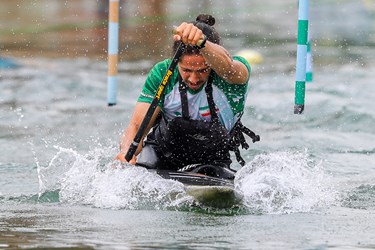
x,y
129,133
217,57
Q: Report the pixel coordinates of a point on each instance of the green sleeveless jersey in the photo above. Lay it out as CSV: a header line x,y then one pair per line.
x,y
229,98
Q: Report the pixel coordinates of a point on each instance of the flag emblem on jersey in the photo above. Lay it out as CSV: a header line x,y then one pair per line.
x,y
205,111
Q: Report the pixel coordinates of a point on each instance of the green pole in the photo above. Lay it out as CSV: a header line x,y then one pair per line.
x,y
303,24
309,61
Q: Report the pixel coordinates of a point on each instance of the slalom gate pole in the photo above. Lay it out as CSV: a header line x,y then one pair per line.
x,y
309,63
303,24
113,41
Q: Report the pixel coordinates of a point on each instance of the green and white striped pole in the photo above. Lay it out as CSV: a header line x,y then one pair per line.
x,y
309,62
303,24
113,41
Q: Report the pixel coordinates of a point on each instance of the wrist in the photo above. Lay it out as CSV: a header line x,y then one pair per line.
x,y
201,43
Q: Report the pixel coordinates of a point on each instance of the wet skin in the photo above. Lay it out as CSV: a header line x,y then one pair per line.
x,y
194,70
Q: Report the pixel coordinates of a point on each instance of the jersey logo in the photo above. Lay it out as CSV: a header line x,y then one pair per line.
x,y
205,111
198,137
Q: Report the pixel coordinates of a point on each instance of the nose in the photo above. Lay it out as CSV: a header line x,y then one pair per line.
x,y
193,77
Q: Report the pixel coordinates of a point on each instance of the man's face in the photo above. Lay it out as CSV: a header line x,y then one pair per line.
x,y
193,70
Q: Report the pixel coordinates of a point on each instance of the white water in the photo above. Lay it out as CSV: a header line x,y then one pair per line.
x,y
276,183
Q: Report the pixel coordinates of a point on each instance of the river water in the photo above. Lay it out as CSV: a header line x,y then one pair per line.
x,y
308,184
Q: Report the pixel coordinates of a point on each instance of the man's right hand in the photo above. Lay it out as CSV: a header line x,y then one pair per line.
x,y
121,157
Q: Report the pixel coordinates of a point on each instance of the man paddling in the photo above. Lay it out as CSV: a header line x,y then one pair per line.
x,y
199,105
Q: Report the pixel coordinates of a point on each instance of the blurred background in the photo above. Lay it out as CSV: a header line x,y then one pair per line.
x,y
78,28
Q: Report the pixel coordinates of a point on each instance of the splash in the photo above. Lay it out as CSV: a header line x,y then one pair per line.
x,y
275,183
284,182
94,179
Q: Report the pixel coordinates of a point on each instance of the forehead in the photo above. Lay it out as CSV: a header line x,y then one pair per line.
x,y
193,61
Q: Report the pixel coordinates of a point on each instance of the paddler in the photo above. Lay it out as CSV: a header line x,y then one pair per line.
x,y
197,120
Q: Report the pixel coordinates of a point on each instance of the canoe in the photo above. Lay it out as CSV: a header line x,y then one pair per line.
x,y
209,185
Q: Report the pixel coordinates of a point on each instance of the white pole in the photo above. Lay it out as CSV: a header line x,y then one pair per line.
x,y
113,41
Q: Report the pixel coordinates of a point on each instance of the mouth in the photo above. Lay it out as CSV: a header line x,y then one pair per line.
x,y
195,85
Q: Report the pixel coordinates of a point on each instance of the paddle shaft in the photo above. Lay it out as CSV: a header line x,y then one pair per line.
x,y
150,112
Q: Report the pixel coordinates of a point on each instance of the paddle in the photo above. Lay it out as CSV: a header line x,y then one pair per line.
x,y
138,136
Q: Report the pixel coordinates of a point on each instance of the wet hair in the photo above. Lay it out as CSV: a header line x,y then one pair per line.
x,y
205,23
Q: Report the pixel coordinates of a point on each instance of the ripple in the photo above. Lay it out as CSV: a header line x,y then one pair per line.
x,y
362,197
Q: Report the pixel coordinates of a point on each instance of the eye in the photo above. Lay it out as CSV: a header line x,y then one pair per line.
x,y
203,70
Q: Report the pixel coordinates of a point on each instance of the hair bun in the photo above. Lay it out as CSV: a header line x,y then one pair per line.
x,y
207,19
